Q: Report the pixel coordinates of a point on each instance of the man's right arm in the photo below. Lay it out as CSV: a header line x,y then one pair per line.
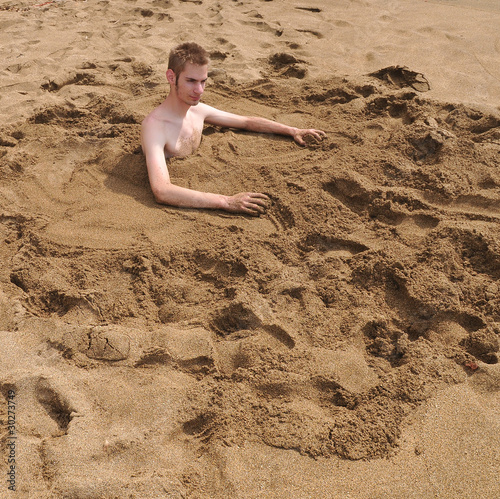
x,y
167,193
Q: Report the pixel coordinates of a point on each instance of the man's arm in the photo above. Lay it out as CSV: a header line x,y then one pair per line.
x,y
167,193
260,125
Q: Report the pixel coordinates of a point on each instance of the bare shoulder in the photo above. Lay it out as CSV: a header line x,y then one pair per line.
x,y
204,110
155,116
153,130
156,123
149,123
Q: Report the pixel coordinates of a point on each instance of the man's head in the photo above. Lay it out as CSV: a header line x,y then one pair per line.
x,y
184,53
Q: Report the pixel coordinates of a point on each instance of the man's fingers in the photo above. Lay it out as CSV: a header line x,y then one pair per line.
x,y
298,138
250,203
317,134
258,195
254,210
258,198
258,203
249,211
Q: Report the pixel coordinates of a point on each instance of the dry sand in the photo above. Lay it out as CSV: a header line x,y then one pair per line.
x,y
343,345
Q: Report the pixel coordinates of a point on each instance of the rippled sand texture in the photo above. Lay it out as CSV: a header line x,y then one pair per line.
x,y
345,344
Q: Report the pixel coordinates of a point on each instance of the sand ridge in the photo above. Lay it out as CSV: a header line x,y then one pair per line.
x,y
160,352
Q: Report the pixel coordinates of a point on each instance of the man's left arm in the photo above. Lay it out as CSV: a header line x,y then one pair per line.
x,y
259,125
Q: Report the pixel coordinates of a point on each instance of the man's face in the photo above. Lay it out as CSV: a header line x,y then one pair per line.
x,y
191,83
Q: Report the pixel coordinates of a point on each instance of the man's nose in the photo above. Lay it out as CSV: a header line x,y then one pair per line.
x,y
199,88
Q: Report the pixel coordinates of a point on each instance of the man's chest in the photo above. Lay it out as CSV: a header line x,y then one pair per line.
x,y
185,138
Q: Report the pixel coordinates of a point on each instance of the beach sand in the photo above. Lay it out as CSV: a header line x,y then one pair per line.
x,y
344,344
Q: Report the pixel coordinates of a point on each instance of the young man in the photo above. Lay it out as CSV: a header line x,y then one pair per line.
x,y
174,128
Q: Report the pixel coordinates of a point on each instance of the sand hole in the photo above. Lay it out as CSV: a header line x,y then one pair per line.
x,y
234,318
332,246
281,335
56,406
350,194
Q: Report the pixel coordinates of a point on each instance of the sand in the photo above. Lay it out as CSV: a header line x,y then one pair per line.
x,y
344,344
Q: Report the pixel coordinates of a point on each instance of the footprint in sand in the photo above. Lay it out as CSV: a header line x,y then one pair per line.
x,y
411,216
238,320
257,23
49,409
401,76
288,65
332,246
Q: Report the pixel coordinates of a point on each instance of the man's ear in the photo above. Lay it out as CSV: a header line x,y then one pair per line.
x,y
171,76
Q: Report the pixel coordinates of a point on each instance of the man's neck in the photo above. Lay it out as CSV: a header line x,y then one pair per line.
x,y
175,106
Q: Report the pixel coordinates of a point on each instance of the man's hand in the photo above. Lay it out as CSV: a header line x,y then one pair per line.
x,y
251,203
300,133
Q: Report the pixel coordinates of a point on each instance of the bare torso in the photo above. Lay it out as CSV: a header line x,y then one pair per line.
x,y
180,137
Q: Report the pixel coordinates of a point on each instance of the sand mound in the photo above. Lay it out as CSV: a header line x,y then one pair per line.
x,y
157,352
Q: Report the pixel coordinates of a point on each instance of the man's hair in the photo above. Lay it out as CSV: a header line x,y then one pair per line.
x,y
184,53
